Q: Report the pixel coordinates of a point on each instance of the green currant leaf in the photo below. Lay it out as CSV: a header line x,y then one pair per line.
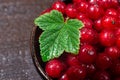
x,y
50,20
58,36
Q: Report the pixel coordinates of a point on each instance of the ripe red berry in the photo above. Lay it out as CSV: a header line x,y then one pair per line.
x,y
90,68
103,61
81,16
94,11
112,12
88,35
87,54
72,60
71,11
107,38
60,6
114,3
113,52
104,3
98,25
92,1
118,42
117,32
76,72
101,75
87,22
82,6
64,77
109,22
54,68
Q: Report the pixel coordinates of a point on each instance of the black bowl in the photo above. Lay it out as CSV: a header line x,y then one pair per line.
x,y
35,52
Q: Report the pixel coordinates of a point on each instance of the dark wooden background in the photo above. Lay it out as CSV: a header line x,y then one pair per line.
x,y
16,22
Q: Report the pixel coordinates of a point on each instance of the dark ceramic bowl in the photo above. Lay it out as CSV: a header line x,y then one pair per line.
x,y
35,51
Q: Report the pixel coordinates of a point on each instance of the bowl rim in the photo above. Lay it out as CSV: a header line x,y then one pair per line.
x,y
34,56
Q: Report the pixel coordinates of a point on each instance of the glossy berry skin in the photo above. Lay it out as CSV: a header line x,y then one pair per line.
x,y
109,22
82,6
64,77
101,75
94,11
119,21
72,60
107,37
54,68
76,72
104,3
60,6
87,54
118,42
98,25
111,12
103,61
117,32
88,35
92,1
113,52
87,22
114,3
90,68
71,11
81,16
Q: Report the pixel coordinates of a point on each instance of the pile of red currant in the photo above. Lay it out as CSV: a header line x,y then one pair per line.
x,y
99,54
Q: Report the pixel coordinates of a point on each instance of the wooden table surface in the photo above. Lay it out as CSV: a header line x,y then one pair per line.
x,y
16,22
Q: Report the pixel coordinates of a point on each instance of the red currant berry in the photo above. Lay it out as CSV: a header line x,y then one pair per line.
x,y
72,60
112,12
60,6
54,68
119,21
101,75
98,25
114,3
90,68
104,3
88,35
117,32
92,1
118,42
81,16
76,73
94,11
107,38
87,22
87,54
71,11
113,52
64,77
103,61
82,6
109,22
